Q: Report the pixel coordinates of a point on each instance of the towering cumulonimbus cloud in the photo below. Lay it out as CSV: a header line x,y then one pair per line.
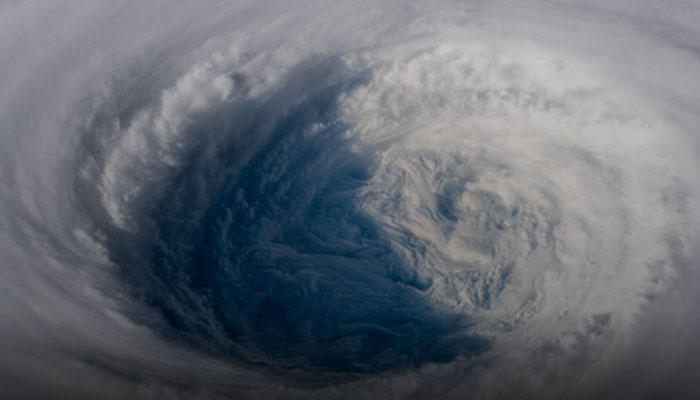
x,y
337,200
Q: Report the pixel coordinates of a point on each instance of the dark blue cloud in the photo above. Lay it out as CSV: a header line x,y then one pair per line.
x,y
273,262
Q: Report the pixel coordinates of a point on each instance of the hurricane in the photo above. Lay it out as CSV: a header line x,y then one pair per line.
x,y
386,199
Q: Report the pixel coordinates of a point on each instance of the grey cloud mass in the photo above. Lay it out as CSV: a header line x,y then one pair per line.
x,y
345,200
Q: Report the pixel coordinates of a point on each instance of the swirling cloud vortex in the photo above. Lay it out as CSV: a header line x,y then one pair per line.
x,y
359,199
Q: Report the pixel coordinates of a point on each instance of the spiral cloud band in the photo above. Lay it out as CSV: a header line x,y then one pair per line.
x,y
340,200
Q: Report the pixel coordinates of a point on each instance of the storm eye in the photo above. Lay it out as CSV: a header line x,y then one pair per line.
x,y
282,267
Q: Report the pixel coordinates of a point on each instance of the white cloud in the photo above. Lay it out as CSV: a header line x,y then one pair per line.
x,y
537,162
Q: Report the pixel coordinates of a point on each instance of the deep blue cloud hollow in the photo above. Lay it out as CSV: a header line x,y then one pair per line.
x,y
273,262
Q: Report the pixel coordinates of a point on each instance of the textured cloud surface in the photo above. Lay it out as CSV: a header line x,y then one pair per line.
x,y
338,200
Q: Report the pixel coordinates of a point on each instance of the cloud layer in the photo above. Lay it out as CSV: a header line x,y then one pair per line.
x,y
333,200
